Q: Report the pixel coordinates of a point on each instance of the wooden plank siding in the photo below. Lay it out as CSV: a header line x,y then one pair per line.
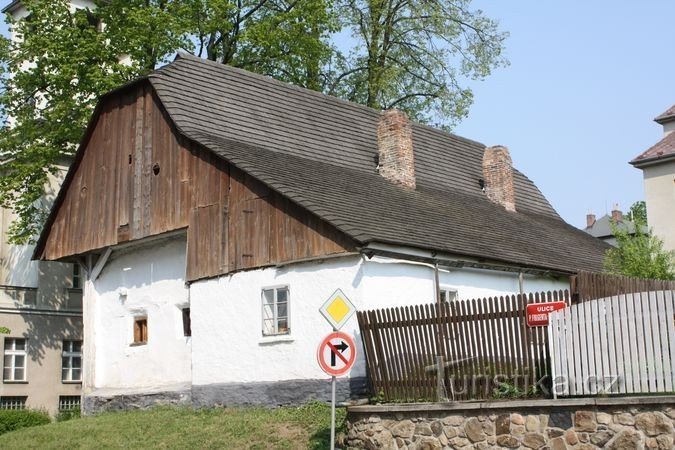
x,y
138,177
483,342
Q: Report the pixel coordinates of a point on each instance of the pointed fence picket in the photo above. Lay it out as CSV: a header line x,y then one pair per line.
x,y
593,285
622,344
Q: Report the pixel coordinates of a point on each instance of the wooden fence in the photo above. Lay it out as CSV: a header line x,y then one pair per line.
x,y
591,285
482,343
622,344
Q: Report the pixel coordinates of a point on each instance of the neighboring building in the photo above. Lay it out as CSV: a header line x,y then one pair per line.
x,y
18,10
216,210
41,304
658,168
602,228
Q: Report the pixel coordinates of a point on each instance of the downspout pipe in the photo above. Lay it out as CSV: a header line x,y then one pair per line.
x,y
441,394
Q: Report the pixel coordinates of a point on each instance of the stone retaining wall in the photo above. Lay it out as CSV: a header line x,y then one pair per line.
x,y
610,423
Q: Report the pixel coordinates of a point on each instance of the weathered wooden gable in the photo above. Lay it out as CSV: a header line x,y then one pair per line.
x,y
138,177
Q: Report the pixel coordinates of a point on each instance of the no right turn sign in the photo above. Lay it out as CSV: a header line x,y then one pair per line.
x,y
337,353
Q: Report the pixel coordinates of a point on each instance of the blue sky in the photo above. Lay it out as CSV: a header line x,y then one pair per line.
x,y
577,102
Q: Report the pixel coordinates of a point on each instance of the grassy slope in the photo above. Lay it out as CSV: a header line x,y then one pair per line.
x,y
307,427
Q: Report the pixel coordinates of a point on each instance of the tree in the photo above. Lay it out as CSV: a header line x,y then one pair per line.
x,y
415,56
638,212
285,39
640,254
50,83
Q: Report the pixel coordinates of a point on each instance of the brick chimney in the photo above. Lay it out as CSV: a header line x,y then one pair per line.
x,y
590,220
617,215
498,176
394,141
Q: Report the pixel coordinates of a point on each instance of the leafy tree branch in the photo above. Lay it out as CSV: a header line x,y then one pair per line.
x,y
640,254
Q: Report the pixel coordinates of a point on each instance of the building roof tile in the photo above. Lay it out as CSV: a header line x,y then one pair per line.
x,y
664,149
666,116
320,151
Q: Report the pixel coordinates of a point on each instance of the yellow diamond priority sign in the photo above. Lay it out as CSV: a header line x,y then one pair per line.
x,y
337,309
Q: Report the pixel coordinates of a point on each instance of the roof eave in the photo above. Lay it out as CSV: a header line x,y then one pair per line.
x,y
458,259
11,7
665,119
640,163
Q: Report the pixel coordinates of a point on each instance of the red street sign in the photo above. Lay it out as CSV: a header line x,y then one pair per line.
x,y
337,353
537,313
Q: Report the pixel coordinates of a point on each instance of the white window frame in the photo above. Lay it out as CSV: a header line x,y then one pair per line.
x,y
13,353
275,313
68,353
447,291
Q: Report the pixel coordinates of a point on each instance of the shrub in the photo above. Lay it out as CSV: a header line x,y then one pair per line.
x,y
14,419
68,414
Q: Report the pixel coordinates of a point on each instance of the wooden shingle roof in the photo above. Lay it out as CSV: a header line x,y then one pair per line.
x,y
319,152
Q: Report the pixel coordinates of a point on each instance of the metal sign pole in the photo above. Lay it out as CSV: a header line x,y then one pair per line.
x,y
332,416
332,409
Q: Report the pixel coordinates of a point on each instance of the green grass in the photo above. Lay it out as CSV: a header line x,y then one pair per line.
x,y
306,427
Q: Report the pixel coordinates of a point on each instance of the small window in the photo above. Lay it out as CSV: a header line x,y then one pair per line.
x,y
187,325
77,277
13,402
69,403
140,330
71,362
448,295
14,360
275,311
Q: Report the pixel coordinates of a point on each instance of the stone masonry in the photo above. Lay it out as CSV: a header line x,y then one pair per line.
x,y
547,424
395,146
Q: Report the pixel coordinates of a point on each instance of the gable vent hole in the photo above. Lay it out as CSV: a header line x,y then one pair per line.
x,y
155,169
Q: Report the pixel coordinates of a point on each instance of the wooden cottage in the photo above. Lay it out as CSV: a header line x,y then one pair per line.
x,y
215,210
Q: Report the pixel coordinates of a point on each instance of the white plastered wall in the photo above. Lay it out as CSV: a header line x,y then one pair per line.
x,y
391,282
226,322
147,281
228,346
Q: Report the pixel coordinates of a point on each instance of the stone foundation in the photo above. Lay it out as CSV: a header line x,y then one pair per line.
x,y
610,423
277,393
272,394
98,403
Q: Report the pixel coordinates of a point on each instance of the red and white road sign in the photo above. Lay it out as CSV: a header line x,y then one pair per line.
x,y
537,313
337,353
